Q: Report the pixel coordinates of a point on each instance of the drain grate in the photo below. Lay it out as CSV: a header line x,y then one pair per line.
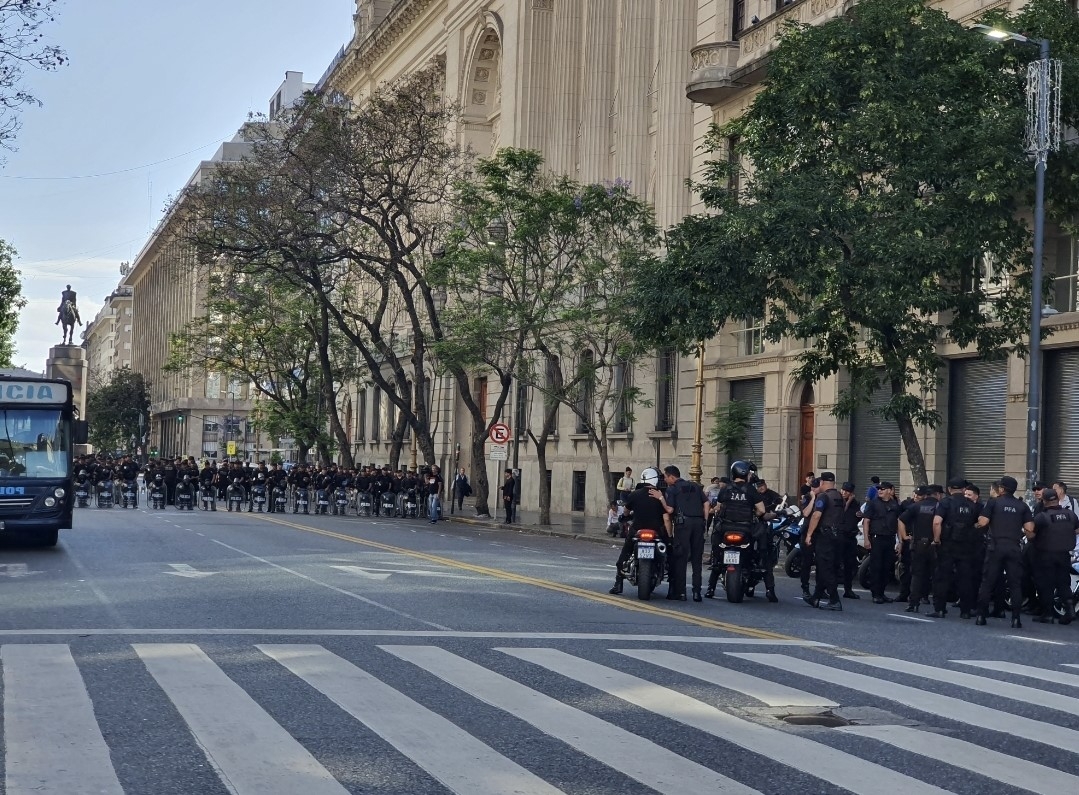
x,y
826,719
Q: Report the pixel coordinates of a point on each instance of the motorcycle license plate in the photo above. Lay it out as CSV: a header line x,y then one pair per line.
x,y
646,551
732,556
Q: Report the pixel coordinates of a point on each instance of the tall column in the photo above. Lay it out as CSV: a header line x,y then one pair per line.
x,y
674,145
565,87
635,66
600,54
69,362
535,77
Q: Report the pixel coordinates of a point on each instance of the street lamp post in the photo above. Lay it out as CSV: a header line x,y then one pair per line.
x,y
1043,106
696,469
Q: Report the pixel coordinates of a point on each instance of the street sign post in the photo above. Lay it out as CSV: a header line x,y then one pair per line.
x,y
499,452
499,433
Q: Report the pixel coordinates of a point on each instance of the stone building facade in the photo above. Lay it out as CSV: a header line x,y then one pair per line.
x,y
626,89
107,339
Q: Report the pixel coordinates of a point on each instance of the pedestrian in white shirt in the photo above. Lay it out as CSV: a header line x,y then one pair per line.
x,y
625,485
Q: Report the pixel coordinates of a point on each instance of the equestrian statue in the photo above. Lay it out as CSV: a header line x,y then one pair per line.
x,y
68,314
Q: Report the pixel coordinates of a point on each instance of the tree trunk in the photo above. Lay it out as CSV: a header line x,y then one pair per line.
x,y
549,417
913,447
323,452
328,396
398,441
302,449
605,466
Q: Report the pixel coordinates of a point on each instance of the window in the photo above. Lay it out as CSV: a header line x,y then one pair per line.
x,y
520,412
738,19
213,385
579,481
1065,284
750,336
361,416
666,375
586,391
376,414
623,388
480,393
992,281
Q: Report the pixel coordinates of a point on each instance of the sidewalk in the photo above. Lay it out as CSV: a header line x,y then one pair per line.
x,y
563,525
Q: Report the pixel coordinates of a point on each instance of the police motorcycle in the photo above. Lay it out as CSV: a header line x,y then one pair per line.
x,y
340,501
280,499
82,490
302,499
412,504
105,491
647,565
740,564
258,494
185,495
129,496
236,495
364,503
157,494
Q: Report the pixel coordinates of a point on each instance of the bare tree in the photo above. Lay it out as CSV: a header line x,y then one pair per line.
x,y
22,45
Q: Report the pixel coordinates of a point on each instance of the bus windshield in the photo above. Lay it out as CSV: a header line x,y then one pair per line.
x,y
34,443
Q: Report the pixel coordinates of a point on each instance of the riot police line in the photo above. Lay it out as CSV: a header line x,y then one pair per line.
x,y
180,483
945,550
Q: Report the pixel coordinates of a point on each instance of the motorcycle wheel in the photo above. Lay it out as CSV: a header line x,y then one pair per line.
x,y
863,575
644,579
792,566
732,584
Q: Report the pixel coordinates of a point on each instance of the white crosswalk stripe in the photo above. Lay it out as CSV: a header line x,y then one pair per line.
x,y
818,760
48,717
924,701
55,742
453,756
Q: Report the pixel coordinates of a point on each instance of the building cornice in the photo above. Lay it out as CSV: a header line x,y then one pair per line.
x,y
361,54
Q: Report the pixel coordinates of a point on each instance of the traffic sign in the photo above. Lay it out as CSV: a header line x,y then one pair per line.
x,y
230,448
498,452
499,433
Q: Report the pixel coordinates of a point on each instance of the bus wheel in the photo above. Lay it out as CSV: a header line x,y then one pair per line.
x,y
50,538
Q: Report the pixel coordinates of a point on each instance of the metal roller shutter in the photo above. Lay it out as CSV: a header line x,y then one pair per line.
x,y
978,397
876,448
752,392
1061,424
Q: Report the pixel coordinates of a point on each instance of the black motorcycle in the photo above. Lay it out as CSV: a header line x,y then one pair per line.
x,y
104,494
647,565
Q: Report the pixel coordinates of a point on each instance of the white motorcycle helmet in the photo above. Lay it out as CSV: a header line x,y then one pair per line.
x,y
651,477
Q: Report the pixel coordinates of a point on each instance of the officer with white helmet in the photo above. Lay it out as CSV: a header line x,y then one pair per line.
x,y
647,509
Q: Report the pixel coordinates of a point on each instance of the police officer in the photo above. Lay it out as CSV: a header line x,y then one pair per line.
x,y
1007,518
848,539
808,555
916,529
169,475
954,526
823,537
689,510
646,507
879,527
741,506
1054,534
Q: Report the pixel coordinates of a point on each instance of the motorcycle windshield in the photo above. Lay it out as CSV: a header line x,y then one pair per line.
x,y
34,443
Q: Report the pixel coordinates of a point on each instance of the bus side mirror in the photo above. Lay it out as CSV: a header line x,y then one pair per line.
x,y
80,432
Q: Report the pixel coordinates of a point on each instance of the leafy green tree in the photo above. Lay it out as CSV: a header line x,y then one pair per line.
x,y
11,301
21,45
532,267
871,208
113,410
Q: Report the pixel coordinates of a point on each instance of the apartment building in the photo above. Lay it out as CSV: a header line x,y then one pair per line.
x,y
108,338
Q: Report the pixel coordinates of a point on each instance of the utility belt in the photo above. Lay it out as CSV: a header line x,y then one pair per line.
x,y
882,533
829,532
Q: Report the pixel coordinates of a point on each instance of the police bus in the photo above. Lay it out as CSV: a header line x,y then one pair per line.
x,y
38,431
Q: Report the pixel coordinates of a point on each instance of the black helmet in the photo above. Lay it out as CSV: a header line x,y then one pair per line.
x,y
740,470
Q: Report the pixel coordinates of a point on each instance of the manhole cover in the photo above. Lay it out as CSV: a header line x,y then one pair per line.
x,y
827,720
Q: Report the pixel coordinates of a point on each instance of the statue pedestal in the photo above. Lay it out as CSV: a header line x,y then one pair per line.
x,y
69,362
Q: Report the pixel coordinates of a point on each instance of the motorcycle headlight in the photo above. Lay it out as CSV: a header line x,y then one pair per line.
x,y
50,502
59,494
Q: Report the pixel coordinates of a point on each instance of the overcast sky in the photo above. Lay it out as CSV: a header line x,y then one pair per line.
x,y
153,87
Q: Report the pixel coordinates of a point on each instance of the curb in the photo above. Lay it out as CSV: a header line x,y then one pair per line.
x,y
529,530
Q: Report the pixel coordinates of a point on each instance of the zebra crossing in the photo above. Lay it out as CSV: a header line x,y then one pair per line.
x,y
667,720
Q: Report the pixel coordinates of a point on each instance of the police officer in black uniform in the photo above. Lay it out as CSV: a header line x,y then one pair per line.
x,y
1007,518
848,539
916,529
169,475
689,510
956,558
879,527
823,537
1055,529
740,506
647,510
808,556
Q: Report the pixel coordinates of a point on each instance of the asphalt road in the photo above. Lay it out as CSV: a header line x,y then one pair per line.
x,y
167,652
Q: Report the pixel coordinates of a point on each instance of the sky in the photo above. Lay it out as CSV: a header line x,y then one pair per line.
x,y
152,88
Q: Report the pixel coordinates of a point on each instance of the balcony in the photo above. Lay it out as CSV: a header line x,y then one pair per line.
x,y
711,75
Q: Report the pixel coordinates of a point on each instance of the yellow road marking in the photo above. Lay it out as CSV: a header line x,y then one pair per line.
x,y
607,599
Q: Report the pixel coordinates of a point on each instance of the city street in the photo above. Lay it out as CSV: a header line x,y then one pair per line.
x,y
166,652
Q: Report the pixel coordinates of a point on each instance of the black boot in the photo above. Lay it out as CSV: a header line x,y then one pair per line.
x,y
771,595
1016,623
912,607
980,621
617,589
696,596
710,593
